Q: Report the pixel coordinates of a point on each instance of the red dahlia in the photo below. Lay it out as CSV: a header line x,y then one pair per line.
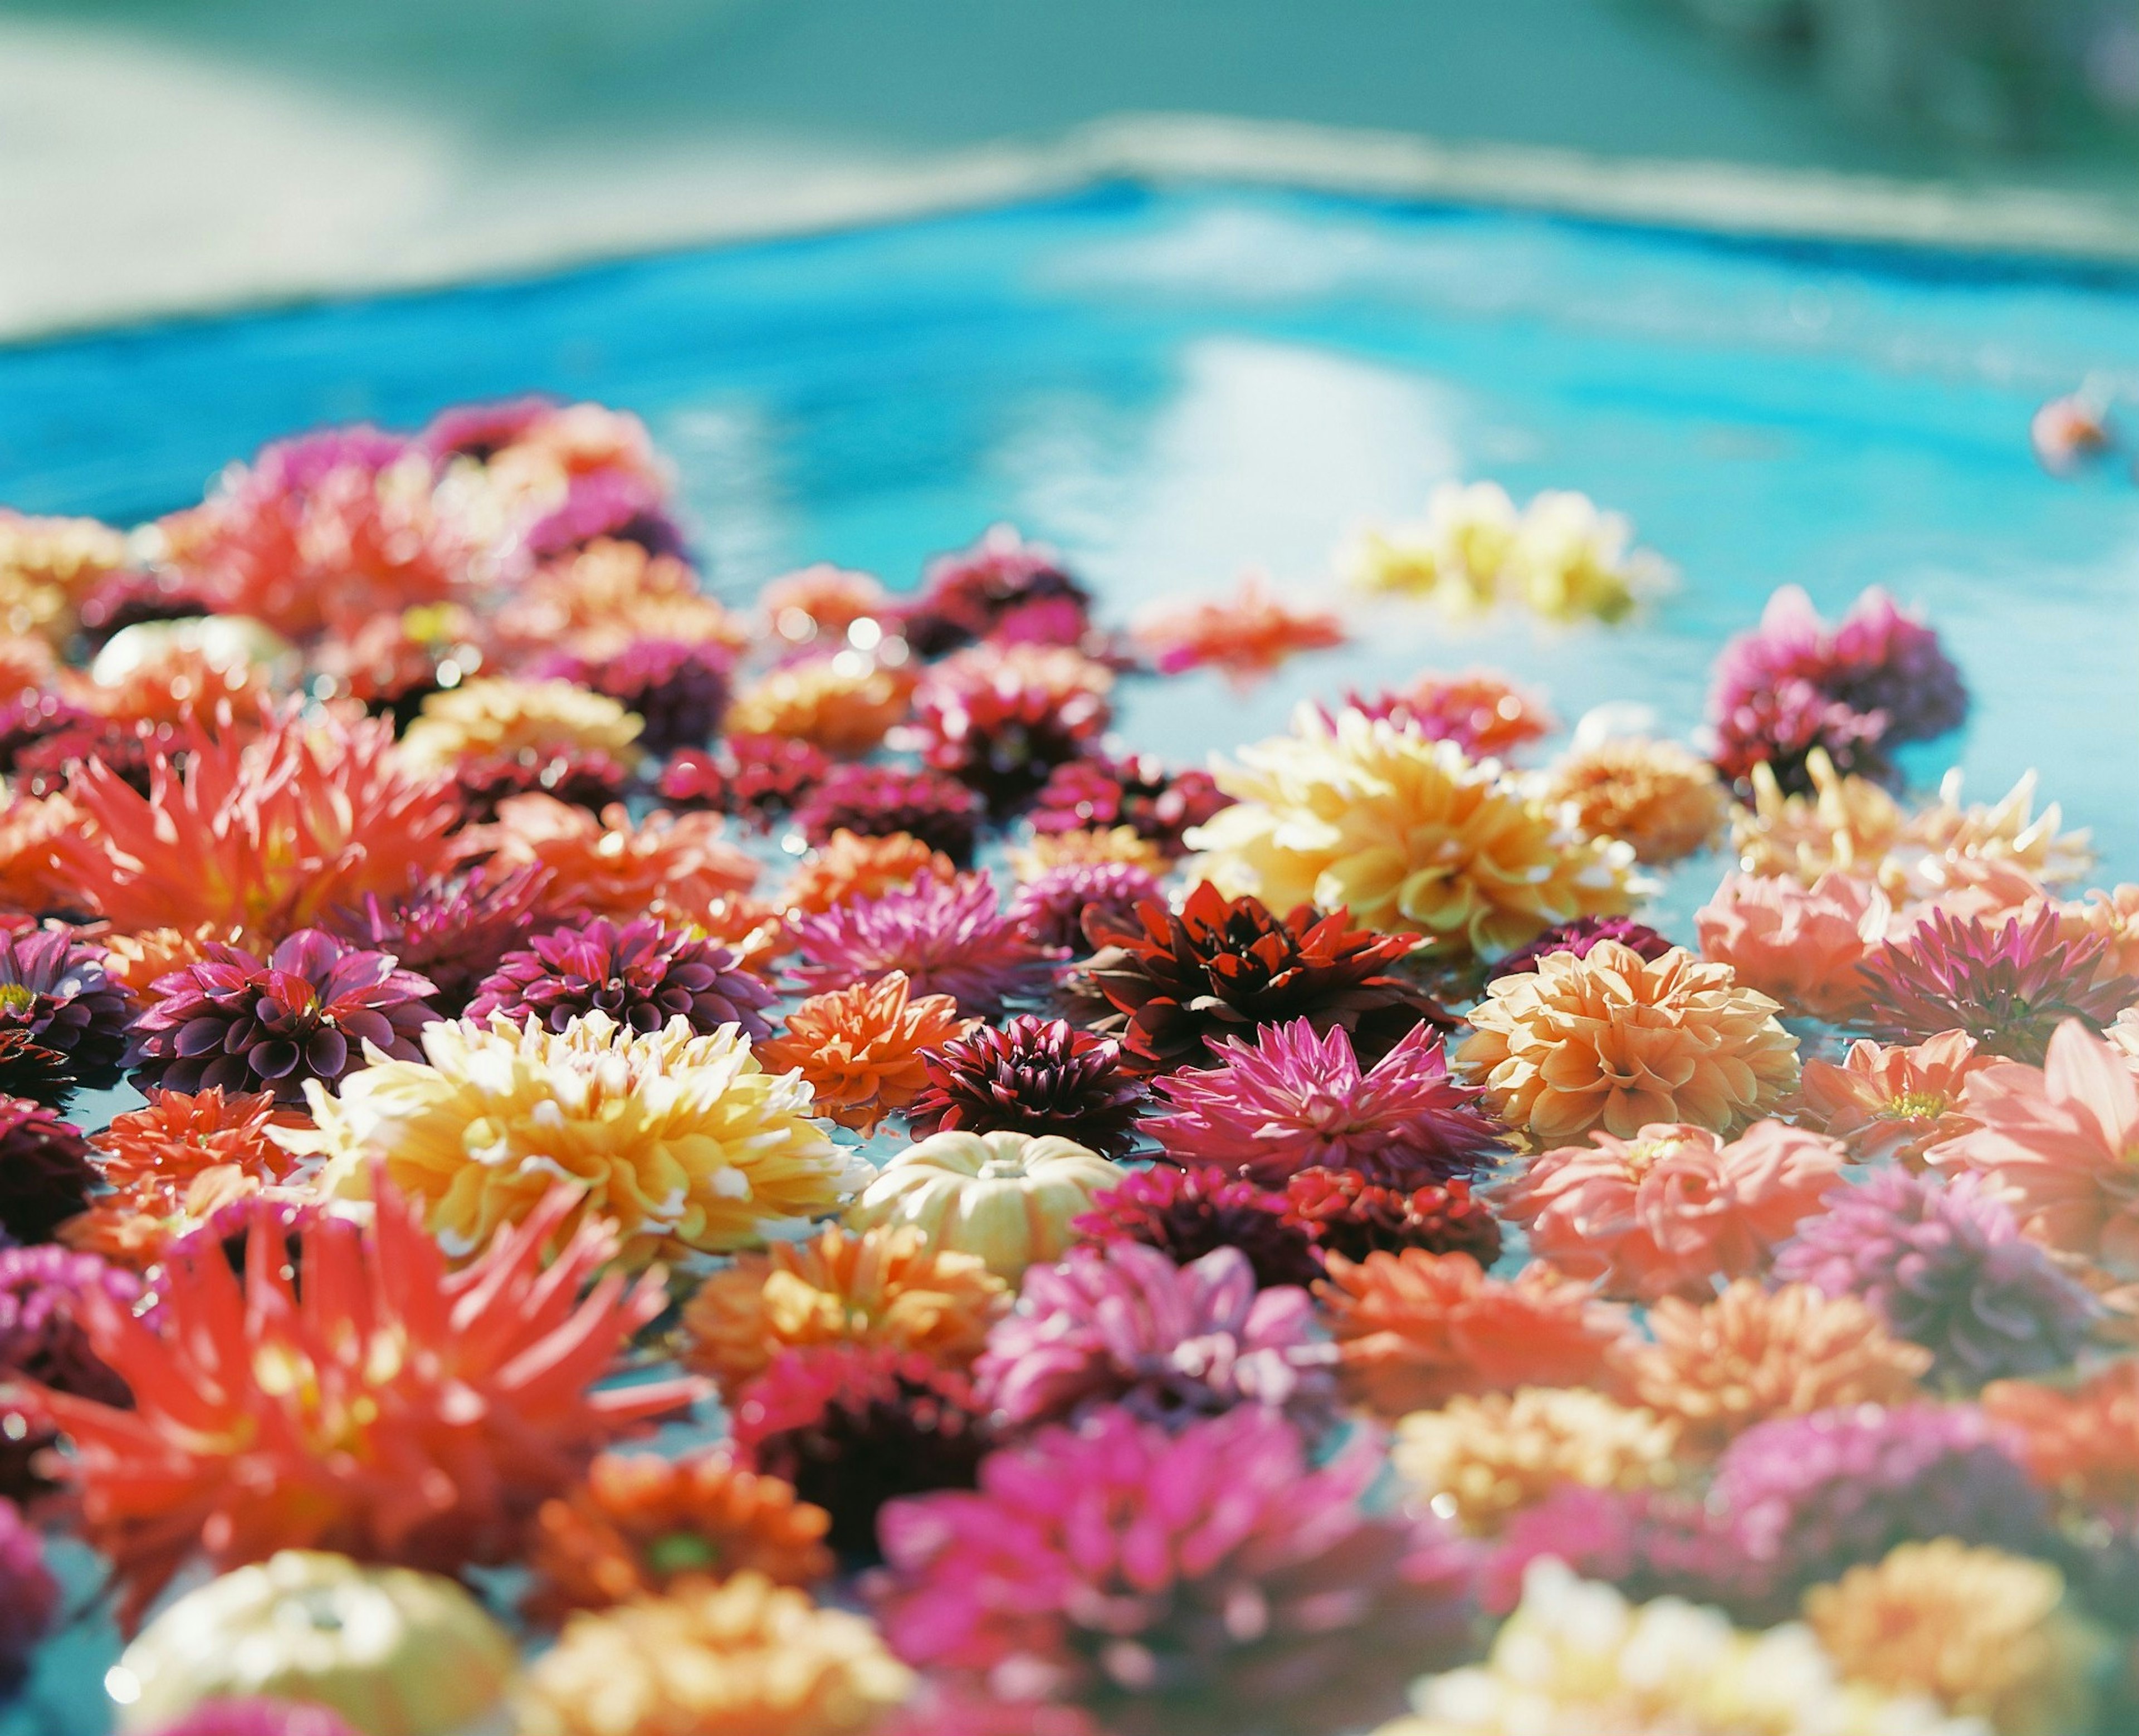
x,y
1033,1076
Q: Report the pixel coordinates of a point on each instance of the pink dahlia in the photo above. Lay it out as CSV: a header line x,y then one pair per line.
x,y
455,929
1290,1100
1578,937
305,1012
1945,1267
1032,1075
949,937
1802,945
752,777
1139,792
1051,906
1781,727
1122,1324
640,973
619,505
1203,1582
1895,1102
1001,587
1000,719
1186,1213
872,801
584,777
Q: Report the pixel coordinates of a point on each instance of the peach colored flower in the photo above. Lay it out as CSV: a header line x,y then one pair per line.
x,y
850,866
1669,1211
2061,1141
1895,1102
1751,1354
135,961
1113,844
47,565
1615,1041
675,866
859,1049
843,703
1655,795
2114,915
1415,1329
1801,945
609,592
819,603
503,716
1246,636
2082,1443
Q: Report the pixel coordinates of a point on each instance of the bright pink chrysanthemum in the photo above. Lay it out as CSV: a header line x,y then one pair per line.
x,y
950,937
1051,906
1290,1100
1205,1582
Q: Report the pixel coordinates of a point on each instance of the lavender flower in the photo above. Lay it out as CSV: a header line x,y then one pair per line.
x,y
642,975
950,937
53,989
1051,906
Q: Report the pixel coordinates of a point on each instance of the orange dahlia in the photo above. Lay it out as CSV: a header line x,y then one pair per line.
x,y
859,1050
845,703
822,601
850,866
396,1412
1665,802
1752,1354
884,1286
677,866
1415,1329
2081,1442
1895,1102
137,960
640,1522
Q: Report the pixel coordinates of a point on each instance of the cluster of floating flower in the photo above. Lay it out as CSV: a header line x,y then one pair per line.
x,y
1140,1298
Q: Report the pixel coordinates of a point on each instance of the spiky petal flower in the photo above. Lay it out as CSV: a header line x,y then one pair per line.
x,y
642,973
1578,937
1122,1324
1945,1267
1246,636
950,937
1032,1075
53,989
1000,718
1201,1582
436,1412
1291,1099
1348,1214
860,1050
306,1012
1894,1103
455,929
1222,967
1051,906
683,1141
2007,985
873,800
45,1172
1187,1213
1157,804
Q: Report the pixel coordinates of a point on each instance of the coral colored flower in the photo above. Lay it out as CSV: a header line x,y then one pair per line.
x,y
859,1050
2082,1443
1141,792
754,777
882,1288
1407,833
1581,937
1614,1041
855,865
1002,587
1246,636
40,839
878,800
55,990
1291,1100
640,1522
641,973
1000,718
1197,1584
1122,1324
684,1142
1416,1328
742,1658
1222,967
1673,1208
844,704
1655,796
1034,1076
1187,1213
1050,906
1482,713
676,867
1349,1215
1892,1102
397,1412
2060,1142
949,937
1751,1354
1800,945
604,595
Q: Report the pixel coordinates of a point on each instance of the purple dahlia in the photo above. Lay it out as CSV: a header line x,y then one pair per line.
x,y
1051,906
1034,1076
455,929
1578,937
1186,1213
615,505
640,973
53,989
874,801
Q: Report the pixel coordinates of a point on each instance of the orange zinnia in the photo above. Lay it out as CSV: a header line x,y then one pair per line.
x,y
860,1049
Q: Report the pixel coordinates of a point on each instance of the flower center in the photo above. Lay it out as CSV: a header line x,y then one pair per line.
x,y
17,999
1644,1154
682,1552
1915,1106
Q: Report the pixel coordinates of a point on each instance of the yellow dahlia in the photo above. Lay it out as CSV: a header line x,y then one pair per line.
x,y
1110,844
503,715
742,1658
1661,800
1570,562
1478,1460
685,1143
882,1287
1408,835
1986,1634
1455,557
843,703
1616,1041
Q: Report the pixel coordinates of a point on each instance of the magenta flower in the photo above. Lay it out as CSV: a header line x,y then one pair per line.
x,y
1001,720
619,505
1139,792
29,1596
305,1012
1034,1076
1289,1100
454,929
1186,1213
1203,1582
41,1339
54,991
873,801
679,689
257,1718
1002,587
2007,985
1122,1324
641,973
950,937
1578,937
1051,906
752,777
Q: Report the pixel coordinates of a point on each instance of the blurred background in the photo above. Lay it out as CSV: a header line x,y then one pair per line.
x,y
165,155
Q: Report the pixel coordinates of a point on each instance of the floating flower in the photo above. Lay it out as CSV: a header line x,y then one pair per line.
x,y
436,1414
823,602
949,937
1116,844
1571,562
675,867
1113,1567
641,973
1349,1215
1480,1460
1616,1041
1752,1354
1292,1100
605,594
55,990
753,776
1219,967
1102,793
678,690
1187,1213
876,800
48,564
1945,1267
1800,945
1034,1076
1246,636
1456,556
684,1142
42,1339
455,929
592,781
312,1009
856,865
883,1288
640,1522
1892,1102
29,1596
1415,1329
1122,1324
1000,718
742,1658
1407,833
45,1172
1579,937
1049,908
844,704
2081,1443
1480,712
859,1050
1001,587
1661,801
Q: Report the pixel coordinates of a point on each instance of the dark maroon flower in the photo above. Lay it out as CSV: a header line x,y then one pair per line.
x,y
45,1171
588,778
1002,587
1349,1215
454,929
679,690
53,989
1186,1213
42,1339
1578,937
874,801
305,1012
1138,792
641,973
1033,1076
752,777
999,720
1051,906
